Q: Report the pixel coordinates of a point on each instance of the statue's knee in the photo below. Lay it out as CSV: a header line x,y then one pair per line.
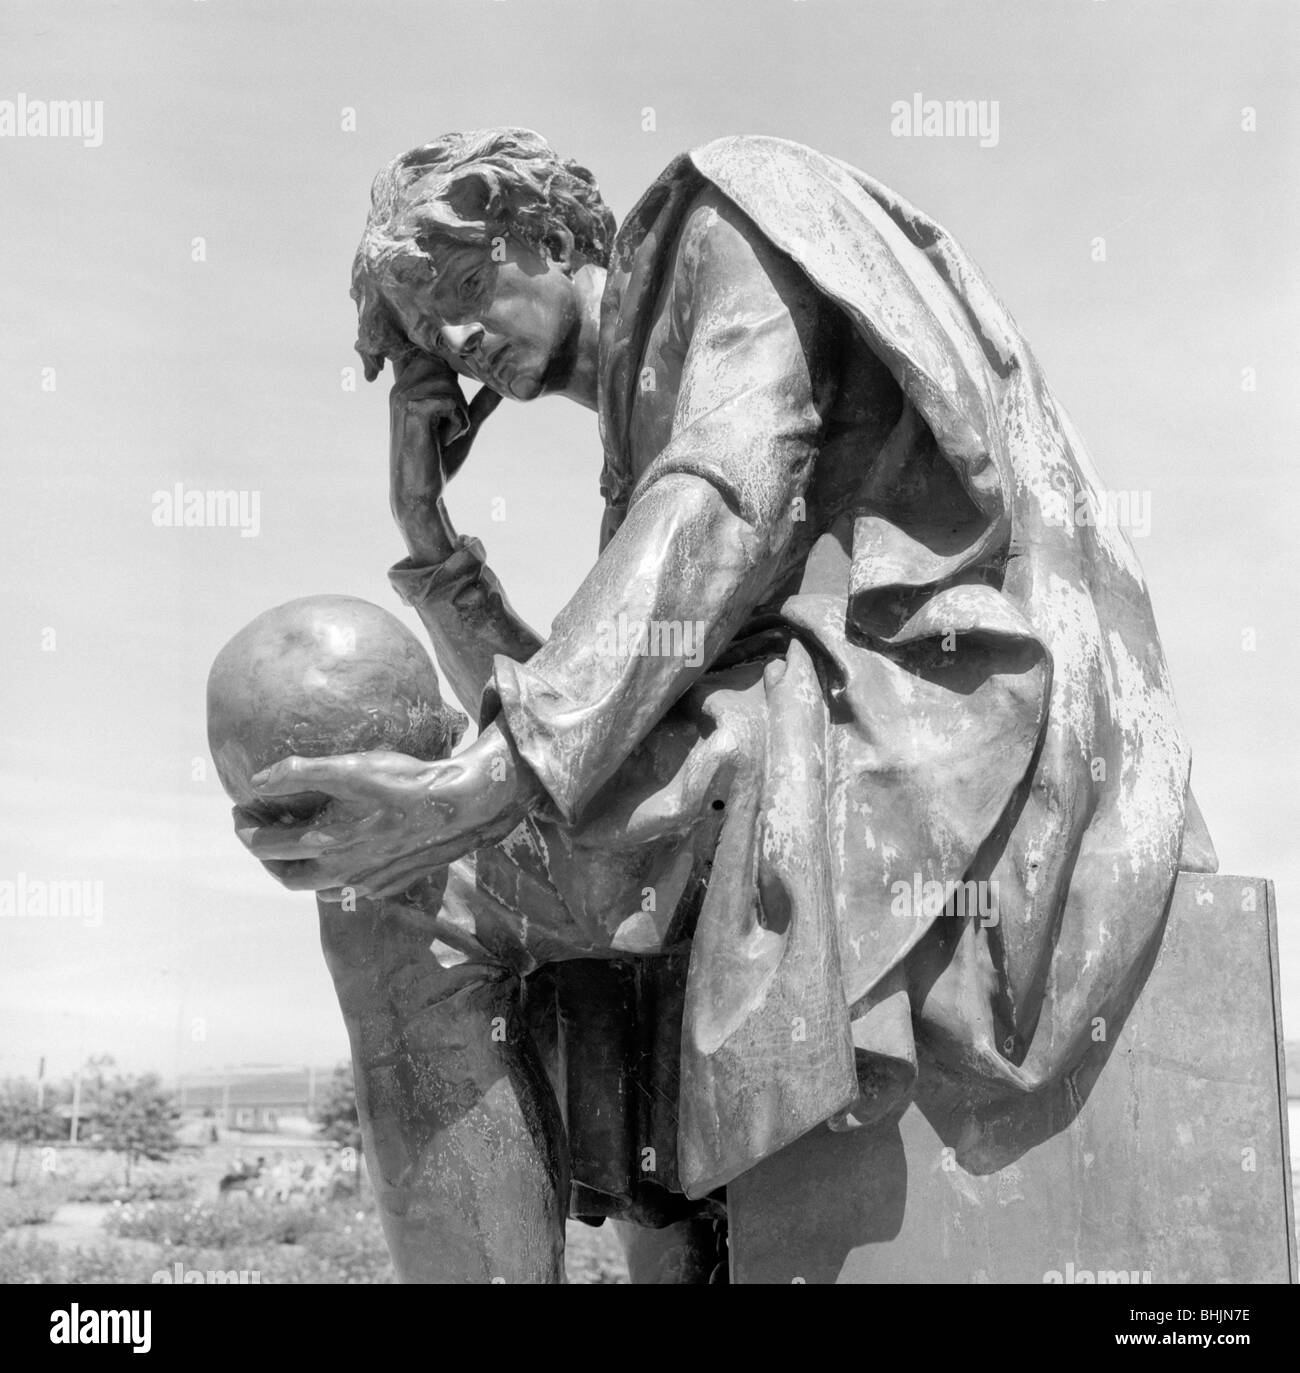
x,y
467,1025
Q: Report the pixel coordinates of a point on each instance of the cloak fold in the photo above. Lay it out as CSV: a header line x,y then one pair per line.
x,y
976,695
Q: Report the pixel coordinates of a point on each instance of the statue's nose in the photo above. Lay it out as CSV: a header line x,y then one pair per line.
x,y
461,338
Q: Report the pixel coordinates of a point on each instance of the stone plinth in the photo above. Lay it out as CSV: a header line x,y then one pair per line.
x,y
1170,1167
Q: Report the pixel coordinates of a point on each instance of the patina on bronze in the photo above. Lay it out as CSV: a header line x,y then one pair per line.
x,y
882,726
464,1142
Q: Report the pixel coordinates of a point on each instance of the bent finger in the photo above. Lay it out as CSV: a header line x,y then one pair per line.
x,y
304,876
337,775
310,840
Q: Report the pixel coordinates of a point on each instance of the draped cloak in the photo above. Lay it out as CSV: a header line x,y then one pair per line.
x,y
931,787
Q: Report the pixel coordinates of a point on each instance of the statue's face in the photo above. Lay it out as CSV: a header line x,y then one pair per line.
x,y
510,323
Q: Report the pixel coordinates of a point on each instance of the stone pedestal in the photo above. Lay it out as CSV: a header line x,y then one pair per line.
x,y
1171,1166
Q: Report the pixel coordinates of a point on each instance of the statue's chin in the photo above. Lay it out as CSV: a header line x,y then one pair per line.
x,y
523,388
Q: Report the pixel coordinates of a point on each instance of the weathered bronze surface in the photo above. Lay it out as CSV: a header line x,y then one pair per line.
x,y
855,719
463,1137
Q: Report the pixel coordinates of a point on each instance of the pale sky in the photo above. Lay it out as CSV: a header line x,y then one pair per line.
x,y
224,122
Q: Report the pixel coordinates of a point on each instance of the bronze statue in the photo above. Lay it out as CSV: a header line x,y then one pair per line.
x,y
856,735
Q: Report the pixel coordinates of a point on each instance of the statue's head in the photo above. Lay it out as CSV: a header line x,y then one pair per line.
x,y
471,253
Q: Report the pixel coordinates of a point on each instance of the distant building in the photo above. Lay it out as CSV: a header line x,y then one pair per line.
x,y
254,1099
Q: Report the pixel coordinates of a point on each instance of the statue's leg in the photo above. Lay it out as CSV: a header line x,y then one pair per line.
x,y
463,1137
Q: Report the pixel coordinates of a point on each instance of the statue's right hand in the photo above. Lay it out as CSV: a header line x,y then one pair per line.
x,y
426,391
456,451
432,431
425,408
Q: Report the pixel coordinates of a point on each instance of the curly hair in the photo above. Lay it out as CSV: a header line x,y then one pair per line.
x,y
464,188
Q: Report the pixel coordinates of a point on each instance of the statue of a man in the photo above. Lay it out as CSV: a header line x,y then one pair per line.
x,y
861,712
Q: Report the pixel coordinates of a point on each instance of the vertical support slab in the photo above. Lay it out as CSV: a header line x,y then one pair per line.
x,y
1173,1167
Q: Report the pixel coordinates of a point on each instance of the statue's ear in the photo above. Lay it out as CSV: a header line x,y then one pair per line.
x,y
561,245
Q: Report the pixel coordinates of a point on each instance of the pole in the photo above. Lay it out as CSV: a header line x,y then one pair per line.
x,y
76,1105
76,1085
180,1038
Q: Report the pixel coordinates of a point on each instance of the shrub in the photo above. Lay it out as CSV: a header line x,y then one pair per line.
x,y
157,1188
354,1252
29,1259
328,1243
218,1225
195,1223
26,1206
344,1244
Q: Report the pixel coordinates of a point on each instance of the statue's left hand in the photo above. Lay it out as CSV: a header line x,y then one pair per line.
x,y
391,818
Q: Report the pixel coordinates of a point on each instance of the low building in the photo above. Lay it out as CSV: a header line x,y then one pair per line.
x,y
257,1100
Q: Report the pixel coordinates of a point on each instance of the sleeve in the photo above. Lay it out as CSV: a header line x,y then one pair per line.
x,y
469,620
707,523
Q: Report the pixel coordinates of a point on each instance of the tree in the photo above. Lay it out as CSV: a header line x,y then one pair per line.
x,y
24,1120
136,1117
93,1078
337,1114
